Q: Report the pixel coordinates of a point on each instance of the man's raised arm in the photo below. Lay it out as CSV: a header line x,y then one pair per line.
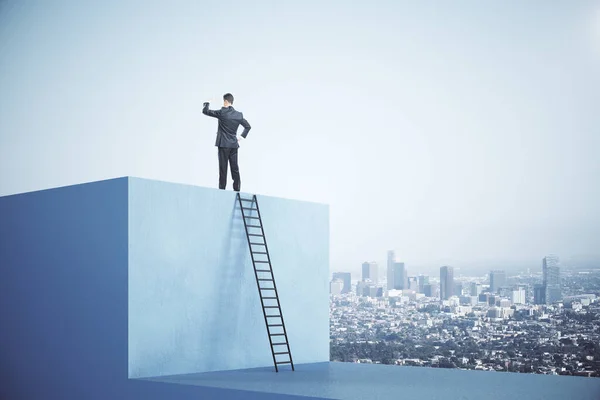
x,y
210,113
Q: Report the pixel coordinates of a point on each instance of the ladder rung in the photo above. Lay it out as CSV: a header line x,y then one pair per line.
x,y
249,208
267,288
279,344
276,334
281,352
262,279
272,307
261,261
269,298
276,325
253,226
258,244
255,234
274,316
260,252
252,200
283,362
263,270
251,217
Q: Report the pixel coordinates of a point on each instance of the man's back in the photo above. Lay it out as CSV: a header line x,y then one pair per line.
x,y
229,121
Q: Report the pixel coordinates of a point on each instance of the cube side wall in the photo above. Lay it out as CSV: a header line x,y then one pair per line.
x,y
193,301
63,292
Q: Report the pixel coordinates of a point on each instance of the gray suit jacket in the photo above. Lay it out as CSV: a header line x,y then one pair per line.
x,y
229,121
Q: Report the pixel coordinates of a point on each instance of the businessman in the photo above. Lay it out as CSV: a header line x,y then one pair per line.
x,y
227,139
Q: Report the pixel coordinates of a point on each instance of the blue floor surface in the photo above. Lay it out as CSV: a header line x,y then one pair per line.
x,y
349,381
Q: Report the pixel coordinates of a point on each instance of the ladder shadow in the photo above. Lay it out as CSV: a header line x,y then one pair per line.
x,y
226,313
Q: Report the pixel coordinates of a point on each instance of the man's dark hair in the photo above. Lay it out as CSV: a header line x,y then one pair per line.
x,y
228,97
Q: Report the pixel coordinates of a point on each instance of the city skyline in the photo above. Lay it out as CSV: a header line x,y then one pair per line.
x,y
543,321
549,291
505,332
462,291
468,269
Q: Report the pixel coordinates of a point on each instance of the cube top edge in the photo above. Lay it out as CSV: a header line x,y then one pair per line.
x,y
129,179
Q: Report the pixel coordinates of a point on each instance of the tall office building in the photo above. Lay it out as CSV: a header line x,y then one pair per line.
x,y
397,276
497,280
518,295
539,294
458,288
391,259
475,289
369,272
345,277
428,290
551,276
423,280
446,282
400,276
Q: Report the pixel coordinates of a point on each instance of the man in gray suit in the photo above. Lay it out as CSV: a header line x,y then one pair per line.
x,y
227,139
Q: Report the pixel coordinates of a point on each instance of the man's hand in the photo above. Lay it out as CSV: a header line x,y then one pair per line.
x,y
211,113
240,138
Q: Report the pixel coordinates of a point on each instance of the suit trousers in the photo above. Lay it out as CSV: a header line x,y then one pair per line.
x,y
229,155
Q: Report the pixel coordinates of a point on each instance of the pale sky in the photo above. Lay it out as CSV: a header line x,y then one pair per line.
x,y
450,131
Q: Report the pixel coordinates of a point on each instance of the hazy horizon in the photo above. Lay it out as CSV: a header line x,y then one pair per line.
x,y
452,133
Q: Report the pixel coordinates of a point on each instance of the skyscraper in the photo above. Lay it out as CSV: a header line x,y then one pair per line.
x,y
369,271
428,290
391,259
400,276
446,282
518,295
551,276
423,280
475,289
497,280
539,294
458,288
345,277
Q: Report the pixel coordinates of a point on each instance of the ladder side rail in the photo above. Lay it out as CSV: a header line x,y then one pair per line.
x,y
274,284
262,303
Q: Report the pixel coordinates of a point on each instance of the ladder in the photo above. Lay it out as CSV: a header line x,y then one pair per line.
x,y
265,281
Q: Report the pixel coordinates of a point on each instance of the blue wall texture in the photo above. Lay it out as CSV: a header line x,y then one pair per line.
x,y
126,278
193,300
63,291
